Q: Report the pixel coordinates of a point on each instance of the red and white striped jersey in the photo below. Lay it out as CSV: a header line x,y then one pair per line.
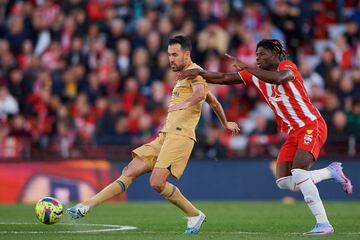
x,y
289,101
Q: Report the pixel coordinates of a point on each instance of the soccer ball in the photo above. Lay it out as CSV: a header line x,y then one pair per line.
x,y
48,210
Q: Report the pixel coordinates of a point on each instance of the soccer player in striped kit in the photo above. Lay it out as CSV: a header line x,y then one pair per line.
x,y
281,84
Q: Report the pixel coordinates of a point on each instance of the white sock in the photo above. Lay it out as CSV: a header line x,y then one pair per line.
x,y
316,176
303,180
84,209
320,175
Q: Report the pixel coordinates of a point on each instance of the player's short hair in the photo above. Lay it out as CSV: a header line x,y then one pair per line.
x,y
273,45
184,42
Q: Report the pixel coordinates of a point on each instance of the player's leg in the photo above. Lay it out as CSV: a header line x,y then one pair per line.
x,y
311,139
302,178
144,158
285,181
172,160
159,183
284,163
134,169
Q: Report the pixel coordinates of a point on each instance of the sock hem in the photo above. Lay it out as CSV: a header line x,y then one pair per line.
x,y
122,185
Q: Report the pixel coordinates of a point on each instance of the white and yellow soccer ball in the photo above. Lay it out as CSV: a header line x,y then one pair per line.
x,y
48,210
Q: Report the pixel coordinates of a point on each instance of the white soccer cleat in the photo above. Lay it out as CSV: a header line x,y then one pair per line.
x,y
194,223
78,211
321,229
337,173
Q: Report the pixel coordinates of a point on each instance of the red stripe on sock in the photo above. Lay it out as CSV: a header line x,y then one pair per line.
x,y
302,181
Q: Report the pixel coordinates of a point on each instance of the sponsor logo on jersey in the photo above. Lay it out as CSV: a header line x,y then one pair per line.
x,y
276,94
308,136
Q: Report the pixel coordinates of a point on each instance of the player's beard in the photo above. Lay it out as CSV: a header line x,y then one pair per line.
x,y
179,67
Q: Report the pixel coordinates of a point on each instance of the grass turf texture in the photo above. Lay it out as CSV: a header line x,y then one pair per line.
x,y
161,220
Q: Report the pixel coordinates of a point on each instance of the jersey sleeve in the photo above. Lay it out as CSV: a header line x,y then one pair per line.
x,y
198,80
245,76
288,65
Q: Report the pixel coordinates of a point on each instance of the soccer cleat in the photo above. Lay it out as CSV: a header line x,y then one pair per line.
x,y
336,172
78,211
321,229
194,223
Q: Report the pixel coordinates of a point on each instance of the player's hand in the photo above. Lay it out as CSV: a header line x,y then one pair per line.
x,y
233,127
237,63
191,73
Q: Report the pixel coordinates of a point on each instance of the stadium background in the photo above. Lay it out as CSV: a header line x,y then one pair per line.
x,y
83,82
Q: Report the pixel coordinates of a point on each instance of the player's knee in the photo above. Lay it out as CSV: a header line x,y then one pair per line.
x,y
286,183
129,172
299,175
157,184
135,169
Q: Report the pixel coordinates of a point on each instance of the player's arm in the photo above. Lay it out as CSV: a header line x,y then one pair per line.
x,y
212,77
197,96
218,109
272,77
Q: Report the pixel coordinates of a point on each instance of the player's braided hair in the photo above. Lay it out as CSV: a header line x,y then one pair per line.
x,y
273,45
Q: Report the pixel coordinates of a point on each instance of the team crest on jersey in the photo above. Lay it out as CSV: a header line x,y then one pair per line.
x,y
183,82
308,136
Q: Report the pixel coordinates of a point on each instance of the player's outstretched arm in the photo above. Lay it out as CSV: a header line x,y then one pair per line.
x,y
272,77
212,77
197,96
218,109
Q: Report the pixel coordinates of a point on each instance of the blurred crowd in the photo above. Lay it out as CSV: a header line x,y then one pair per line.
x,y
95,73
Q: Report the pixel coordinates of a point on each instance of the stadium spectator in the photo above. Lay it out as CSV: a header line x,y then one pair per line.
x,y
16,87
332,104
345,93
210,146
352,32
123,56
286,21
339,131
327,63
213,38
8,104
262,138
353,118
310,77
75,54
18,129
16,33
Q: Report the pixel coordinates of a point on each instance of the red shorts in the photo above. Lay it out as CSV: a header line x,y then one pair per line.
x,y
310,138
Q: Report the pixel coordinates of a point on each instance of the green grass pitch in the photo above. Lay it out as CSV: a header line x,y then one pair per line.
x,y
161,220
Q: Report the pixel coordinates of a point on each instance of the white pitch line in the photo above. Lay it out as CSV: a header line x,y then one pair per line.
x,y
125,228
248,233
109,228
